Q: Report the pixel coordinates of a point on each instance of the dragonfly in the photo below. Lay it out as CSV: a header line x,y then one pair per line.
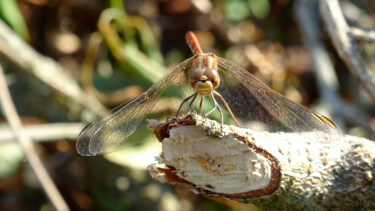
x,y
248,103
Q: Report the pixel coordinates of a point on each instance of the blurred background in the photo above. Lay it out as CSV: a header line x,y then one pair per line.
x,y
107,52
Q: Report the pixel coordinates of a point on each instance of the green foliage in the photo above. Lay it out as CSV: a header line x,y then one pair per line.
x,y
237,10
260,8
11,14
117,4
131,41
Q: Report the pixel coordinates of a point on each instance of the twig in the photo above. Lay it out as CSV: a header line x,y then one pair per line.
x,y
362,35
45,132
44,68
278,171
28,147
345,44
307,11
324,71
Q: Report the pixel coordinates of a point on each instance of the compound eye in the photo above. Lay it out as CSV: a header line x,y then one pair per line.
x,y
213,76
196,74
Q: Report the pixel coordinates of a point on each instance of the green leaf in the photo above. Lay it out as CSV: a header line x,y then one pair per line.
x,y
11,14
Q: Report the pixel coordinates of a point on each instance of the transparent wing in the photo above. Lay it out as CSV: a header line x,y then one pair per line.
x,y
120,128
258,107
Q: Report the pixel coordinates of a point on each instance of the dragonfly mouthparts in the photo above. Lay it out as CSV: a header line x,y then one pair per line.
x,y
203,78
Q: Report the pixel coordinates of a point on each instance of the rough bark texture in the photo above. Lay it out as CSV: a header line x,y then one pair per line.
x,y
272,170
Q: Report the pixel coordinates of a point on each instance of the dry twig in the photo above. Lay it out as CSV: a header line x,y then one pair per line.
x,y
324,71
346,44
307,12
363,36
45,132
28,147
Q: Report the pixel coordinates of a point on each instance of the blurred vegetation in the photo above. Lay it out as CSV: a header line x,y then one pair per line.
x,y
11,14
116,50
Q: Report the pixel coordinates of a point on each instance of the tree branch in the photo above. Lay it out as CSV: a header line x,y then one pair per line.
x,y
28,147
272,170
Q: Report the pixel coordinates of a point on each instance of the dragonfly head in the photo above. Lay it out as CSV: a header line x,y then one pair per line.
x,y
204,81
204,77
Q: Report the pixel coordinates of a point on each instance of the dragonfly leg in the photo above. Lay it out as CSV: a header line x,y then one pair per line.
x,y
192,101
201,105
188,98
226,106
218,108
215,106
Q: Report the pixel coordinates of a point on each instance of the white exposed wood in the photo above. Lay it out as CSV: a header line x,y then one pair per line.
x,y
235,167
